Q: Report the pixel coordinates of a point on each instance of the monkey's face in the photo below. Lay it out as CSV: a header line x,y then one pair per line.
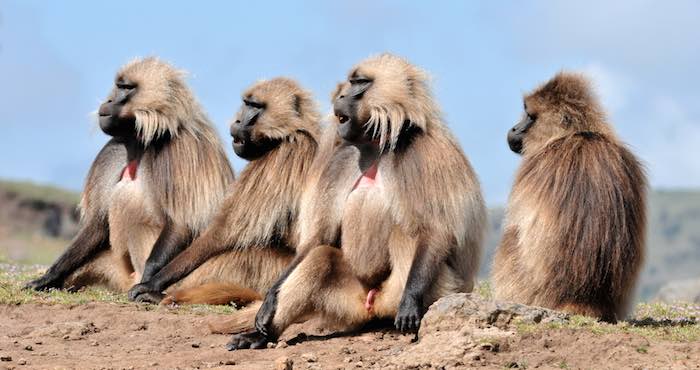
x,y
272,111
535,129
382,98
114,116
149,101
247,143
346,107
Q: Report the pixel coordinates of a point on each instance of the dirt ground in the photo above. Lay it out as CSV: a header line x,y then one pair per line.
x,y
129,336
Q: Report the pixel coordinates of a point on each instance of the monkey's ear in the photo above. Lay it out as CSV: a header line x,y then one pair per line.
x,y
296,103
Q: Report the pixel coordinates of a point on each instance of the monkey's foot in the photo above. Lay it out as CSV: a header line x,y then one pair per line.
x,y
145,293
409,316
252,340
45,282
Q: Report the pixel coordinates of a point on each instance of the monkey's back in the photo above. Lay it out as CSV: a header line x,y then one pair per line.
x,y
575,229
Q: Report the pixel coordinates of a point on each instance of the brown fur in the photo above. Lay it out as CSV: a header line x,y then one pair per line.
x,y
213,293
427,205
255,233
180,181
575,229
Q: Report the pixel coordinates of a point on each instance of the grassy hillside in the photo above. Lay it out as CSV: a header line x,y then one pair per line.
x,y
673,234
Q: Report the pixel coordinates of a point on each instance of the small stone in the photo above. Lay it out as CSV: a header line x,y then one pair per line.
x,y
196,345
29,348
359,364
5,358
153,364
38,343
229,362
94,343
212,346
284,363
309,357
281,344
22,361
66,337
347,350
271,345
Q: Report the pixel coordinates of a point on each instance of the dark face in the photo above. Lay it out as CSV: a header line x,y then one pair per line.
x,y
114,119
518,132
241,130
346,107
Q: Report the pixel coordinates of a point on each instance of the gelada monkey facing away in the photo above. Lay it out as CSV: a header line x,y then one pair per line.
x,y
152,188
394,218
575,225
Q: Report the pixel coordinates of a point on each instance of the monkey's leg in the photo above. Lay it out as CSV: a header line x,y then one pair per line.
x,y
172,240
429,258
109,268
92,238
203,248
253,268
320,284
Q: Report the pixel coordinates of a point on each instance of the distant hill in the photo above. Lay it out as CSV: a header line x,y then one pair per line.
x,y
37,221
673,239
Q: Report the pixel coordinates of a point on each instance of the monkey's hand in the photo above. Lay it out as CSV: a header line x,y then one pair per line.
x,y
144,292
266,313
45,282
410,313
251,339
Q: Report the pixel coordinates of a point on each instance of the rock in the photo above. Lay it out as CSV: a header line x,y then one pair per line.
x,y
66,330
284,363
465,325
5,358
21,361
281,344
196,345
227,363
28,348
679,290
309,357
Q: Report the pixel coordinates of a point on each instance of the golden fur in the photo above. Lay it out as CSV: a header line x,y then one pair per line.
x,y
255,233
426,204
575,227
181,180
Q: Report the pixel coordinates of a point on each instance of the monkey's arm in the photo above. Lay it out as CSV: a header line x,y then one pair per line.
x,y
202,249
424,269
92,238
172,240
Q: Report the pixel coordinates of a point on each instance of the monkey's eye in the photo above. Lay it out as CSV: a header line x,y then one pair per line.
x,y
125,86
359,80
531,116
253,103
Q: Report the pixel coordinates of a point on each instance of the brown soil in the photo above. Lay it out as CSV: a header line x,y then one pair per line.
x,y
122,336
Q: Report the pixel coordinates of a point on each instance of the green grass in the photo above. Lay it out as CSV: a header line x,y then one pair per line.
x,y
659,321
13,278
31,190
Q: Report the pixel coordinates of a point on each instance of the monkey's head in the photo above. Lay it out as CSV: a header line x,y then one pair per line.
x,y
564,105
272,111
382,97
149,100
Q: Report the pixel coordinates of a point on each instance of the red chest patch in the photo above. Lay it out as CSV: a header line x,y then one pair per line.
x,y
129,172
368,178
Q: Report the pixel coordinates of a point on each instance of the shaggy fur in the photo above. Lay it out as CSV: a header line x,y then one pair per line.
x,y
255,233
180,181
426,206
575,229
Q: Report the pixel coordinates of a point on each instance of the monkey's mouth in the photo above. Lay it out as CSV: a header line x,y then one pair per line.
x,y
238,141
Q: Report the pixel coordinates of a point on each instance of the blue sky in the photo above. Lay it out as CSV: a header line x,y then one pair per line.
x,y
58,59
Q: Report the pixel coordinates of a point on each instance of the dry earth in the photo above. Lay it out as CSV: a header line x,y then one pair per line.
x,y
127,336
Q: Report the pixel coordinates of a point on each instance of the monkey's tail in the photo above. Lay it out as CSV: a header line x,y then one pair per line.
x,y
212,293
241,321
